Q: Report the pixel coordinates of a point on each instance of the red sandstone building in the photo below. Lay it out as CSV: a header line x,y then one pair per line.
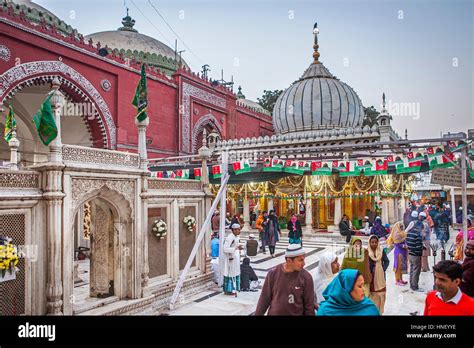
x,y
98,75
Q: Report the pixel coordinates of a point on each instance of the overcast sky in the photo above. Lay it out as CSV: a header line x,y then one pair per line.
x,y
420,53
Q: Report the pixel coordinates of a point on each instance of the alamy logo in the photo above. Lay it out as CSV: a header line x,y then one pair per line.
x,y
291,299
34,331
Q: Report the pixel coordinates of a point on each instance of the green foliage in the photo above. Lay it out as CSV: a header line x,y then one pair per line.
x,y
370,116
269,99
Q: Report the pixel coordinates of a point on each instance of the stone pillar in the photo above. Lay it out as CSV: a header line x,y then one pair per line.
x,y
391,210
205,154
309,216
14,144
396,210
144,224
401,208
142,150
53,195
57,102
385,211
270,204
246,212
337,212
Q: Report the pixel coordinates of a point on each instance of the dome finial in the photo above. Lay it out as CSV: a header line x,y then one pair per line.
x,y
315,45
383,103
240,95
128,23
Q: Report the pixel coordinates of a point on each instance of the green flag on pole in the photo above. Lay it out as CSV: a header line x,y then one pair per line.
x,y
140,100
10,125
45,124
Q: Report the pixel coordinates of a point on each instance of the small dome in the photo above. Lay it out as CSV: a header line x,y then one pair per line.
x,y
142,47
318,100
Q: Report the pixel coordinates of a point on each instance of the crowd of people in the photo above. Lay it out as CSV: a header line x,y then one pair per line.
x,y
357,285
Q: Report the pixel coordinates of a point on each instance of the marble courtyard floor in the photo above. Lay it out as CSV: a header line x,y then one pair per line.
x,y
400,299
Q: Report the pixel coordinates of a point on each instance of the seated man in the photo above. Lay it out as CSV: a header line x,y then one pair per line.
x,y
344,228
248,277
252,246
366,226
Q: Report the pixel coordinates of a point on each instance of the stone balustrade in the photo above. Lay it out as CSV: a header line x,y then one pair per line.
x,y
99,157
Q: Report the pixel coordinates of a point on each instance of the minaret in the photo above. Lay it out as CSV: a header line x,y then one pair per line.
x,y
383,121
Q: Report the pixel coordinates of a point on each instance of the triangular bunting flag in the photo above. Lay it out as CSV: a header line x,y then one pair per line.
x,y
441,159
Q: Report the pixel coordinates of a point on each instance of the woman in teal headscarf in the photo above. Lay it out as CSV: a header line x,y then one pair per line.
x,y
345,296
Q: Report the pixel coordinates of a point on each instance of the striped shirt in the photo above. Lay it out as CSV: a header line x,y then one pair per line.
x,y
415,242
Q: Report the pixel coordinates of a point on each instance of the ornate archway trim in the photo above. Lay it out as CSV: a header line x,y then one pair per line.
x,y
189,91
84,189
12,77
201,123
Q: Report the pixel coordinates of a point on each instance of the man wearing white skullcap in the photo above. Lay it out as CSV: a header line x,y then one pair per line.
x,y
288,287
232,261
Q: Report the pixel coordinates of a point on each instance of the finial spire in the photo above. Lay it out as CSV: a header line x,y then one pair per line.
x,y
384,110
128,23
315,45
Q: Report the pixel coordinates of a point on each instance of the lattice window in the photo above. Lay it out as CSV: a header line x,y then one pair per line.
x,y
12,292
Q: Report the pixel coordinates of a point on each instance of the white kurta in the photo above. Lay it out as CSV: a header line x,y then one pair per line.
x,y
231,256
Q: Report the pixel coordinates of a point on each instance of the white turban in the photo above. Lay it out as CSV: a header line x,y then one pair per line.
x,y
235,226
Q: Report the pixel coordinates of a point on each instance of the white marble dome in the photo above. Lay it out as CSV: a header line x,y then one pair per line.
x,y
318,100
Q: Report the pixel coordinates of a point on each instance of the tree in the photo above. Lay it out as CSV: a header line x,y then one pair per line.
x,y
370,116
269,99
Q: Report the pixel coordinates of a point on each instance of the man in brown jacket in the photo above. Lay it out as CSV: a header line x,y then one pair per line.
x,y
288,288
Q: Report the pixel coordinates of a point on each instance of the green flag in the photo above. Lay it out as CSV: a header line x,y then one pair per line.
x,y
10,125
45,124
140,100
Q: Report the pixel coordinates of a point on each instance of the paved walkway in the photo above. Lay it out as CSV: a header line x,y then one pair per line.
x,y
400,299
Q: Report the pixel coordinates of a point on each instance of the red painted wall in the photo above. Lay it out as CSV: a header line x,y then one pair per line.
x,y
164,96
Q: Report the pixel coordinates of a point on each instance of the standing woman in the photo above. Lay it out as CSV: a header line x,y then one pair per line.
x,y
272,232
295,233
357,257
378,262
327,269
398,239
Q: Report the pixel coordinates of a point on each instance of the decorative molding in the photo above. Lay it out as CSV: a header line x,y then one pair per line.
x,y
189,91
207,119
19,180
29,70
107,158
5,53
170,184
106,85
82,188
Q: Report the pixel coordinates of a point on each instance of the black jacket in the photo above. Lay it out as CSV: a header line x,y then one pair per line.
x,y
291,232
247,274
